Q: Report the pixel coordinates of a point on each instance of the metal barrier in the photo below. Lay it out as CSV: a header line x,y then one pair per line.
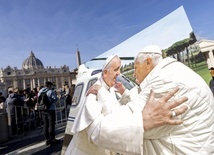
x,y
27,118
62,111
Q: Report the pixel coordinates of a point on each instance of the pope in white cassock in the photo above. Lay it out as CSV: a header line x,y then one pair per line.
x,y
80,144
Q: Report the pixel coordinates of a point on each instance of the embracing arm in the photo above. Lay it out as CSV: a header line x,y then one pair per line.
x,y
126,95
115,131
122,131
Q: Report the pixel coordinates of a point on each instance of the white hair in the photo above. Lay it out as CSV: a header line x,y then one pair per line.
x,y
141,57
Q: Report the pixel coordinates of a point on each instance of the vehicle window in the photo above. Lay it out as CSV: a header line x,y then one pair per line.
x,y
125,81
77,94
90,83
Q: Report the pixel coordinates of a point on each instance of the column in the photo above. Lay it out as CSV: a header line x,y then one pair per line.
x,y
24,84
62,80
15,83
57,84
33,84
38,81
44,80
211,59
69,81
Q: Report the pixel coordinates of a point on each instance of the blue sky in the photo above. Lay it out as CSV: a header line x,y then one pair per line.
x,y
53,29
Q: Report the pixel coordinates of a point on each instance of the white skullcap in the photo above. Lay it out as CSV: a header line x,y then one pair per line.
x,y
152,49
108,60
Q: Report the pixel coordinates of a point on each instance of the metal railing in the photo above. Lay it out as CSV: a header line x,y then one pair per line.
x,y
24,119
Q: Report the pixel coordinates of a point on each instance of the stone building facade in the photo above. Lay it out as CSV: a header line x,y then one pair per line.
x,y
207,48
33,74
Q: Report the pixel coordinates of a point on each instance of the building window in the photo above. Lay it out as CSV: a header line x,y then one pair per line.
x,y
8,73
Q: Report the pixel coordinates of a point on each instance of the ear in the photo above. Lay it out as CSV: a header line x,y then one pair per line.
x,y
149,61
105,72
150,64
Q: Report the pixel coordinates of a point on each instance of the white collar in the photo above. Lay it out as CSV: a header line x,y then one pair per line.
x,y
104,84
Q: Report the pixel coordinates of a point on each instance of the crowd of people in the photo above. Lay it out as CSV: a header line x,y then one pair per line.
x,y
21,107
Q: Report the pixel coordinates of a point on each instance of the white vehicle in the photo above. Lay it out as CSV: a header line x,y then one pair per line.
x,y
85,78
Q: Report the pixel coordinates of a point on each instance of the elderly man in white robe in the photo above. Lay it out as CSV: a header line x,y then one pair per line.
x,y
196,134
92,112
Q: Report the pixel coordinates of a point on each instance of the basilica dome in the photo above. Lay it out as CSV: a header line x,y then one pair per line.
x,y
32,62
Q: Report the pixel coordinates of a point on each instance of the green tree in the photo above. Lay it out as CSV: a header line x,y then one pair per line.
x,y
180,46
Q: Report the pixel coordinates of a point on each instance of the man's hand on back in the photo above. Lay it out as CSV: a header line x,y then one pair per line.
x,y
159,112
93,89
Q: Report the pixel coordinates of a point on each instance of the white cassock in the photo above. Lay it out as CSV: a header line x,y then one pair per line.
x,y
89,111
120,131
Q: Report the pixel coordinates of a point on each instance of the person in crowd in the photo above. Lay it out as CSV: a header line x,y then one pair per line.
x,y
196,134
21,94
34,95
211,83
14,103
67,96
48,116
2,98
37,95
29,99
39,88
89,112
2,102
38,114
29,103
